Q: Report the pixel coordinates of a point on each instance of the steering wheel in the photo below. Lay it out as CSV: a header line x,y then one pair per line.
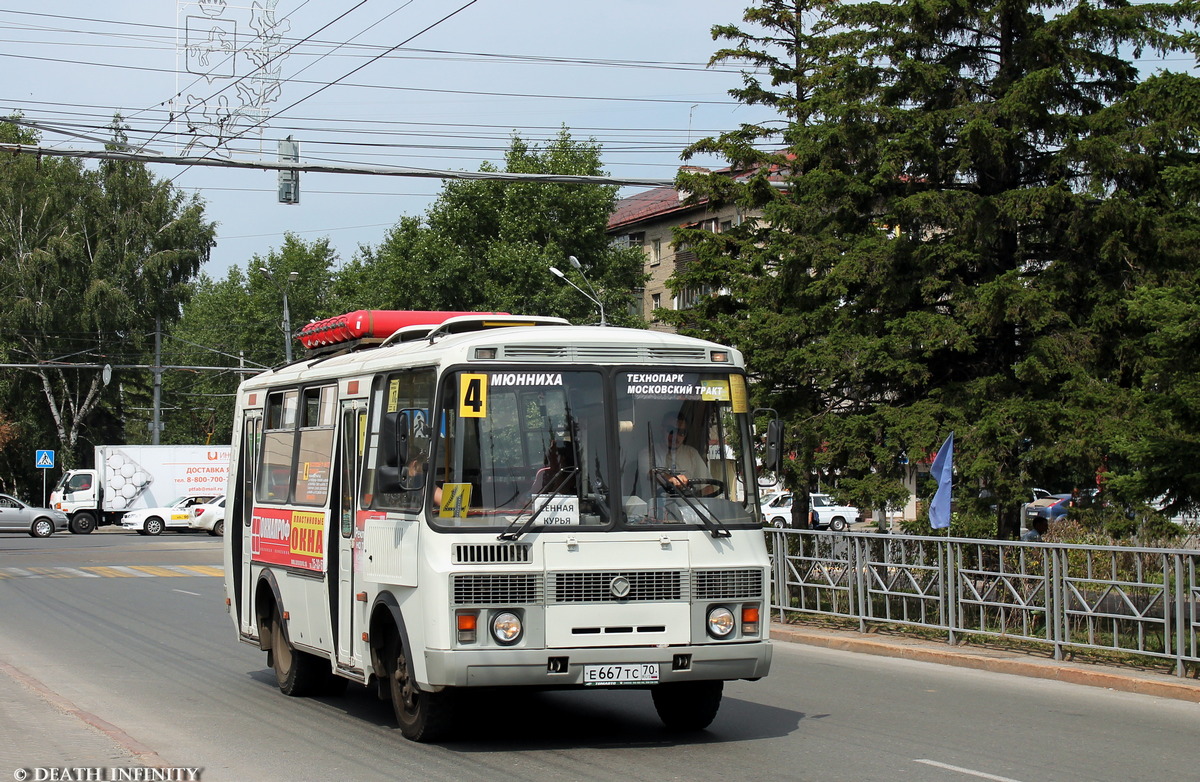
x,y
695,484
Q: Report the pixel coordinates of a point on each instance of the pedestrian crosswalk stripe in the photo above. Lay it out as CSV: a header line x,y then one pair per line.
x,y
111,571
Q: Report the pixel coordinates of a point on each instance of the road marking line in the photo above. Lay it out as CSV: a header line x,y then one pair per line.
x,y
961,770
77,572
185,592
204,570
130,572
105,571
48,572
154,570
111,571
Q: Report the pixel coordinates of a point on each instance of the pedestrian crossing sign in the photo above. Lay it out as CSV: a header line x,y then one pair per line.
x,y
45,459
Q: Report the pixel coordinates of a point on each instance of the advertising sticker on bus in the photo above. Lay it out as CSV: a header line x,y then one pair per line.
x,y
279,536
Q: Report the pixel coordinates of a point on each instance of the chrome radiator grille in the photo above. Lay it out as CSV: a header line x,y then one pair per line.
x,y
727,584
598,586
496,588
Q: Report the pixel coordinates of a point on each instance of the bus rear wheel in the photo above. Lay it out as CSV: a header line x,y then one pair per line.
x,y
422,716
687,706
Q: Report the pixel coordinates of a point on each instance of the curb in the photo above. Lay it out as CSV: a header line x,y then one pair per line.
x,y
997,661
31,695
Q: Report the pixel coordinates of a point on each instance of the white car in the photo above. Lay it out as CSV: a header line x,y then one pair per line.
x,y
778,512
152,521
210,516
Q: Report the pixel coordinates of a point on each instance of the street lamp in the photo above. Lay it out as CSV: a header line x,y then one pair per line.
x,y
593,297
287,318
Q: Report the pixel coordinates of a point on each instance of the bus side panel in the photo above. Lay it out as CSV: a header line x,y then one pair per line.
x,y
391,549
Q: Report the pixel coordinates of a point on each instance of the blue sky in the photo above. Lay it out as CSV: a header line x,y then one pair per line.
x,y
627,72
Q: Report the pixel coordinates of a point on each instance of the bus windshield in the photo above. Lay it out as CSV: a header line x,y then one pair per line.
x,y
521,449
683,447
516,444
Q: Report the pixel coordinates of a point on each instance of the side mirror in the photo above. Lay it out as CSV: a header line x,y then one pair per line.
x,y
393,451
773,458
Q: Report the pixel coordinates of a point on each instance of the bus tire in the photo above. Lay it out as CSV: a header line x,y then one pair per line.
x,y
422,716
687,706
82,523
297,673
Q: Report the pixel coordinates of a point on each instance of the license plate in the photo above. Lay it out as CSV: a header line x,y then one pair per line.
x,y
631,673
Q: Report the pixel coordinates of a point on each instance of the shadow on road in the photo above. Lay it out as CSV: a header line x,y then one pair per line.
x,y
514,719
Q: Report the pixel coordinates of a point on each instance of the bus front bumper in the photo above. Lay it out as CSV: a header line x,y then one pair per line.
x,y
565,667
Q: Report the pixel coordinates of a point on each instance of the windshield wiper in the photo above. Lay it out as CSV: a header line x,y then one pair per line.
x,y
706,516
551,488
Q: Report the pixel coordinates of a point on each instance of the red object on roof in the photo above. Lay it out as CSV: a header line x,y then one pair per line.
x,y
371,324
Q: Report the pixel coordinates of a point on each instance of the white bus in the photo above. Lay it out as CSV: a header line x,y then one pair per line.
x,y
499,501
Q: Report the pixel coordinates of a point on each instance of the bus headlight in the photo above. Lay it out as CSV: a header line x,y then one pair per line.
x,y
720,622
506,628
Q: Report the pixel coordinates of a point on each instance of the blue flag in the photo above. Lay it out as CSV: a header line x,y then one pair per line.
x,y
943,472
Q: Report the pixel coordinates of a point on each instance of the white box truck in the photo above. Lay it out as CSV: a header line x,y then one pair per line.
x,y
129,477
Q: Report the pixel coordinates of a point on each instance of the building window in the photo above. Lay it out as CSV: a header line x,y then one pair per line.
x,y
638,239
655,252
689,297
656,301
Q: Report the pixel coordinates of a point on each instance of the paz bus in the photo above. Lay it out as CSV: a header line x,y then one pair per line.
x,y
433,502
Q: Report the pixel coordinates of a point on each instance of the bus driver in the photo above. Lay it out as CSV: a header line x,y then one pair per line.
x,y
674,460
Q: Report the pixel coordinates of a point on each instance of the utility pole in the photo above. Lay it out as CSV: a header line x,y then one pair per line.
x,y
156,422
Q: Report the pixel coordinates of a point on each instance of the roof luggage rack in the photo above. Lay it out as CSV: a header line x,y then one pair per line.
x,y
375,328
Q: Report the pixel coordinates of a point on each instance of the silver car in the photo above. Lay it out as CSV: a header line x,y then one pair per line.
x,y
16,516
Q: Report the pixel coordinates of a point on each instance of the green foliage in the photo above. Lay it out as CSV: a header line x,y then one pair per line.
x,y
962,525
987,222
488,245
93,259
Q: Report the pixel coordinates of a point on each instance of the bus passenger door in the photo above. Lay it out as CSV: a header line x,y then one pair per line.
x,y
243,527
350,611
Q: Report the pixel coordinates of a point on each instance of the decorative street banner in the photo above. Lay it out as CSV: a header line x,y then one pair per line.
x,y
228,71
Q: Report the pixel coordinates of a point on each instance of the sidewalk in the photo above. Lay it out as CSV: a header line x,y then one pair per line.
x,y
48,731
1020,663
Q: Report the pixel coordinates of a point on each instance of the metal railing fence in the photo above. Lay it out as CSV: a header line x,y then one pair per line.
x,y
1124,599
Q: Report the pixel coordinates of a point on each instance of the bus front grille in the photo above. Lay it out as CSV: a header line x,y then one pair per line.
x,y
496,589
491,553
611,586
727,584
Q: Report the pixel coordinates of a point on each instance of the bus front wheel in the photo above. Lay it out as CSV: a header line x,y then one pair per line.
x,y
687,705
297,673
422,716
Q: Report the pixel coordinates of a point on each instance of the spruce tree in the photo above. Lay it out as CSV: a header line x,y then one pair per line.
x,y
957,207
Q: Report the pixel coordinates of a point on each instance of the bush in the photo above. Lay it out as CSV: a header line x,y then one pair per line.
x,y
962,525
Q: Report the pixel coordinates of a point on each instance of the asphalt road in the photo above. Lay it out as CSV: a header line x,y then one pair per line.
x,y
134,631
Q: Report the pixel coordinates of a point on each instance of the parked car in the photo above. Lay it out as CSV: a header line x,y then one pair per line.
x,y
830,514
152,521
1052,508
209,516
827,513
17,516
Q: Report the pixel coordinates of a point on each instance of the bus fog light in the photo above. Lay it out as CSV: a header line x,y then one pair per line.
x,y
506,627
720,622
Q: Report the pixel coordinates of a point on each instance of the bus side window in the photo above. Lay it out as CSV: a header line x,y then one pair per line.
x,y
278,447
